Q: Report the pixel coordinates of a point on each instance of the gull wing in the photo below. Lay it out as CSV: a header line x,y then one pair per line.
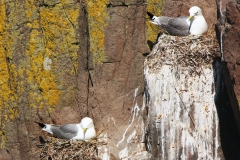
x,y
175,26
67,131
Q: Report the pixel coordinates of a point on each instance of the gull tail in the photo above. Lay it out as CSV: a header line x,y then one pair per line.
x,y
150,15
41,124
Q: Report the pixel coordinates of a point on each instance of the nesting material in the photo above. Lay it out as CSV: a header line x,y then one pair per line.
x,y
55,149
190,52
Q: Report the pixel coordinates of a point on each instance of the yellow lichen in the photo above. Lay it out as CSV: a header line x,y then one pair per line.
x,y
8,81
50,36
52,32
97,22
30,8
155,7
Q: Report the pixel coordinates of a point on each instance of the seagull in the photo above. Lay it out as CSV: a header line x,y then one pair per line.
x,y
195,24
81,131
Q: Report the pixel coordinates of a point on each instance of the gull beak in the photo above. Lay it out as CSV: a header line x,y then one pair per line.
x,y
84,131
190,18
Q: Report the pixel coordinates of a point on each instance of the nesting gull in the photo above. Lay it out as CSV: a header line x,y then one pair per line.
x,y
195,24
81,131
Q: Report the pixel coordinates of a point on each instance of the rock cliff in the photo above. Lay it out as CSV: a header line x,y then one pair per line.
x,y
182,118
62,60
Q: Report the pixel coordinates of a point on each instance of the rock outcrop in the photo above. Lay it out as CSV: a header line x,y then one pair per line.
x,y
227,78
64,60
182,117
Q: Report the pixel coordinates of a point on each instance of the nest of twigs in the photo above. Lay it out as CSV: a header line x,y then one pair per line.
x,y
55,149
191,52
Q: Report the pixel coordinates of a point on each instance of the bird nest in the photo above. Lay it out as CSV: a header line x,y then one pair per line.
x,y
55,149
189,52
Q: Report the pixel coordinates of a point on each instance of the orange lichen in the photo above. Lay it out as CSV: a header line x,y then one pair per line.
x,y
30,8
52,32
97,14
8,74
54,22
155,7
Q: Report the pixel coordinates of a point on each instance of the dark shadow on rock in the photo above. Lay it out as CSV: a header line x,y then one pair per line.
x,y
151,44
145,54
230,138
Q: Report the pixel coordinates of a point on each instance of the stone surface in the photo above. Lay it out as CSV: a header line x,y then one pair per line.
x,y
182,118
227,74
4,155
64,60
228,126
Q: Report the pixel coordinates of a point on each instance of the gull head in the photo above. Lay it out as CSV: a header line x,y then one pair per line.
x,y
47,129
194,11
86,123
155,20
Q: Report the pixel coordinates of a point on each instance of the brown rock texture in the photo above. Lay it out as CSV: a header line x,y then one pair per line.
x,y
227,76
62,60
231,47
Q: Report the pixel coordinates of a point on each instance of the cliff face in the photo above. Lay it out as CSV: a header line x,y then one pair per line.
x,y
64,60
39,64
182,117
230,49
227,78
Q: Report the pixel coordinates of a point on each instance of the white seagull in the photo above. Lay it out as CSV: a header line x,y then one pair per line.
x,y
81,131
195,24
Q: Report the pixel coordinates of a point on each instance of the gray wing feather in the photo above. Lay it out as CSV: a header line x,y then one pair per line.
x,y
67,131
179,23
175,26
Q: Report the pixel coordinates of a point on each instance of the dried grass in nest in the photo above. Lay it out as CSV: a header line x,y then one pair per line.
x,y
191,52
56,149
